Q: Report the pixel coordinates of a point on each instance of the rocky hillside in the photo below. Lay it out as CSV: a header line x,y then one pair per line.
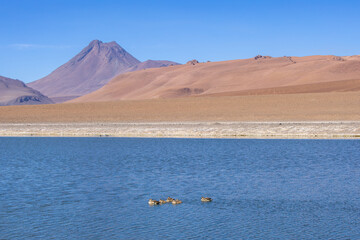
x,y
15,92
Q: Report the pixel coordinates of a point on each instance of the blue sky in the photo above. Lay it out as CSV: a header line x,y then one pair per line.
x,y
40,35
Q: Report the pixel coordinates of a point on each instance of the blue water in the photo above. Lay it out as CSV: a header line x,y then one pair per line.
x,y
98,188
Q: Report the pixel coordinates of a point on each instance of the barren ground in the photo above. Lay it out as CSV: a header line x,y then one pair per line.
x,y
315,115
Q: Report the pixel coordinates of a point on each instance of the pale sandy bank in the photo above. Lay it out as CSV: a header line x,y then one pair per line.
x,y
321,130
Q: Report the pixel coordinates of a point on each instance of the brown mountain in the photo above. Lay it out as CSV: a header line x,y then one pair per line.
x,y
259,75
15,92
89,70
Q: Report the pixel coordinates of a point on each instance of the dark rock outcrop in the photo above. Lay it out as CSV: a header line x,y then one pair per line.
x,y
262,57
193,62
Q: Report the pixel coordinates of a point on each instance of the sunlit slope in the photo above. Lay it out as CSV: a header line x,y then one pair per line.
x,y
235,77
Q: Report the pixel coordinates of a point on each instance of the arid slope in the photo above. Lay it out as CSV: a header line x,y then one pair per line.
x,y
260,75
283,107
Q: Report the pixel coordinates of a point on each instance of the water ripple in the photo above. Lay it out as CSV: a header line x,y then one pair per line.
x,y
98,188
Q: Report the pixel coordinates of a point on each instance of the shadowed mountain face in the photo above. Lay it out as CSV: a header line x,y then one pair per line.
x,y
89,70
15,92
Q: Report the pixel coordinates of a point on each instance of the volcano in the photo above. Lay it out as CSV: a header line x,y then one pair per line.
x,y
89,70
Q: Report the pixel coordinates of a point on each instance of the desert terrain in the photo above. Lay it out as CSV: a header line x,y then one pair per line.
x,y
336,106
305,115
259,75
297,97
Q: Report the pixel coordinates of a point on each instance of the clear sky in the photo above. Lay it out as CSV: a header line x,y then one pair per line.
x,y
38,36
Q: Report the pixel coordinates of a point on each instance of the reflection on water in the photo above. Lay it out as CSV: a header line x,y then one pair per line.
x,y
98,188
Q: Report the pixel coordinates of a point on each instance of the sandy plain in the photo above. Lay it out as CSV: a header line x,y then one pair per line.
x,y
302,115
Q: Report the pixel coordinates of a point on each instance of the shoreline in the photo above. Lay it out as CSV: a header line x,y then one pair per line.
x,y
237,130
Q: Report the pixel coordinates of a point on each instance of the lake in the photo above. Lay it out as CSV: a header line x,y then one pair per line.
x,y
98,188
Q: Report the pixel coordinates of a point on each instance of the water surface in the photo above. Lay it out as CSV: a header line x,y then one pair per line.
x,y
98,188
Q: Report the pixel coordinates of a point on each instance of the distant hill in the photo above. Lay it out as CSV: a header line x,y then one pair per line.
x,y
15,92
89,70
256,76
152,64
